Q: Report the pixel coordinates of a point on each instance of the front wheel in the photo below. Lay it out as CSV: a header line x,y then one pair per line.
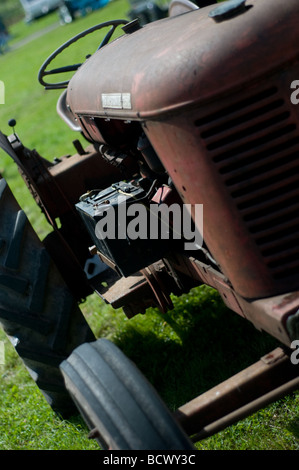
x,y
118,404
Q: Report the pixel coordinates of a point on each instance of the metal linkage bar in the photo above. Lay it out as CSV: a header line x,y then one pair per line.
x,y
264,382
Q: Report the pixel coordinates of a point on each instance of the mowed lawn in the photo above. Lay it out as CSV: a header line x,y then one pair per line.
x,y
183,353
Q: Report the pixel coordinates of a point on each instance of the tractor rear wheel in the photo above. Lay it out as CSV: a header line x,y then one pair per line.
x,y
37,311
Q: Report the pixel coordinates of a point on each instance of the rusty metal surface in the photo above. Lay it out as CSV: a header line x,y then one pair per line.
x,y
247,410
242,166
77,174
240,395
190,50
161,292
234,148
270,314
133,294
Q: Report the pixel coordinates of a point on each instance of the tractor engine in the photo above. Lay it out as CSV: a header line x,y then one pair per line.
x,y
208,92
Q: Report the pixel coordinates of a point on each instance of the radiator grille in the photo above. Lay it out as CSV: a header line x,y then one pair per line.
x,y
254,143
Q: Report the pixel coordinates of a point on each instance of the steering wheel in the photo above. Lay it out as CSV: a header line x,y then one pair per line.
x,y
72,68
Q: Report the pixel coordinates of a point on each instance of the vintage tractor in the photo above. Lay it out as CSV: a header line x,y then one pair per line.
x,y
191,113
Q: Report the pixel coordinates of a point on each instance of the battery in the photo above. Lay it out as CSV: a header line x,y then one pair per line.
x,y
105,215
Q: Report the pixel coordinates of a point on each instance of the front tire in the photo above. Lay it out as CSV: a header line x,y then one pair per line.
x,y
117,403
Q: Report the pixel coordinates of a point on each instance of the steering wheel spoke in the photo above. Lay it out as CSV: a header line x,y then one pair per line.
x,y
43,72
108,36
66,68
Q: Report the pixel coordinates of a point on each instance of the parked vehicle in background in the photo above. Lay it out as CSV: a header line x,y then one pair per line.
x,y
147,11
36,8
151,10
69,9
4,35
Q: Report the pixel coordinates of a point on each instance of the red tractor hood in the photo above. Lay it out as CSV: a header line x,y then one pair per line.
x,y
185,60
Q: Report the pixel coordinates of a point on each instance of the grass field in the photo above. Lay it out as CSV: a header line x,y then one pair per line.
x,y
195,346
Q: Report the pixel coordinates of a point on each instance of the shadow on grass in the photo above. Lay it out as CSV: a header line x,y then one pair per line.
x,y
210,344
293,427
194,347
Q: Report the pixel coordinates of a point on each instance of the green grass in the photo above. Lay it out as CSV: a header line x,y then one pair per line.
x,y
26,420
183,353
34,108
195,346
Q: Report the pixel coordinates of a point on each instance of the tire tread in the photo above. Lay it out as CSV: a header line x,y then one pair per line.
x,y
37,310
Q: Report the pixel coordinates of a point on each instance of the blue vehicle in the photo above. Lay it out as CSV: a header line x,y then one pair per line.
x,y
69,9
36,8
4,36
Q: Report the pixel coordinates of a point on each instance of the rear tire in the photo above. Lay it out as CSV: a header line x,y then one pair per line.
x,y
37,311
117,403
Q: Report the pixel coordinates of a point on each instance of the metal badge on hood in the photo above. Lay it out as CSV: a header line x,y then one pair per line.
x,y
116,100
